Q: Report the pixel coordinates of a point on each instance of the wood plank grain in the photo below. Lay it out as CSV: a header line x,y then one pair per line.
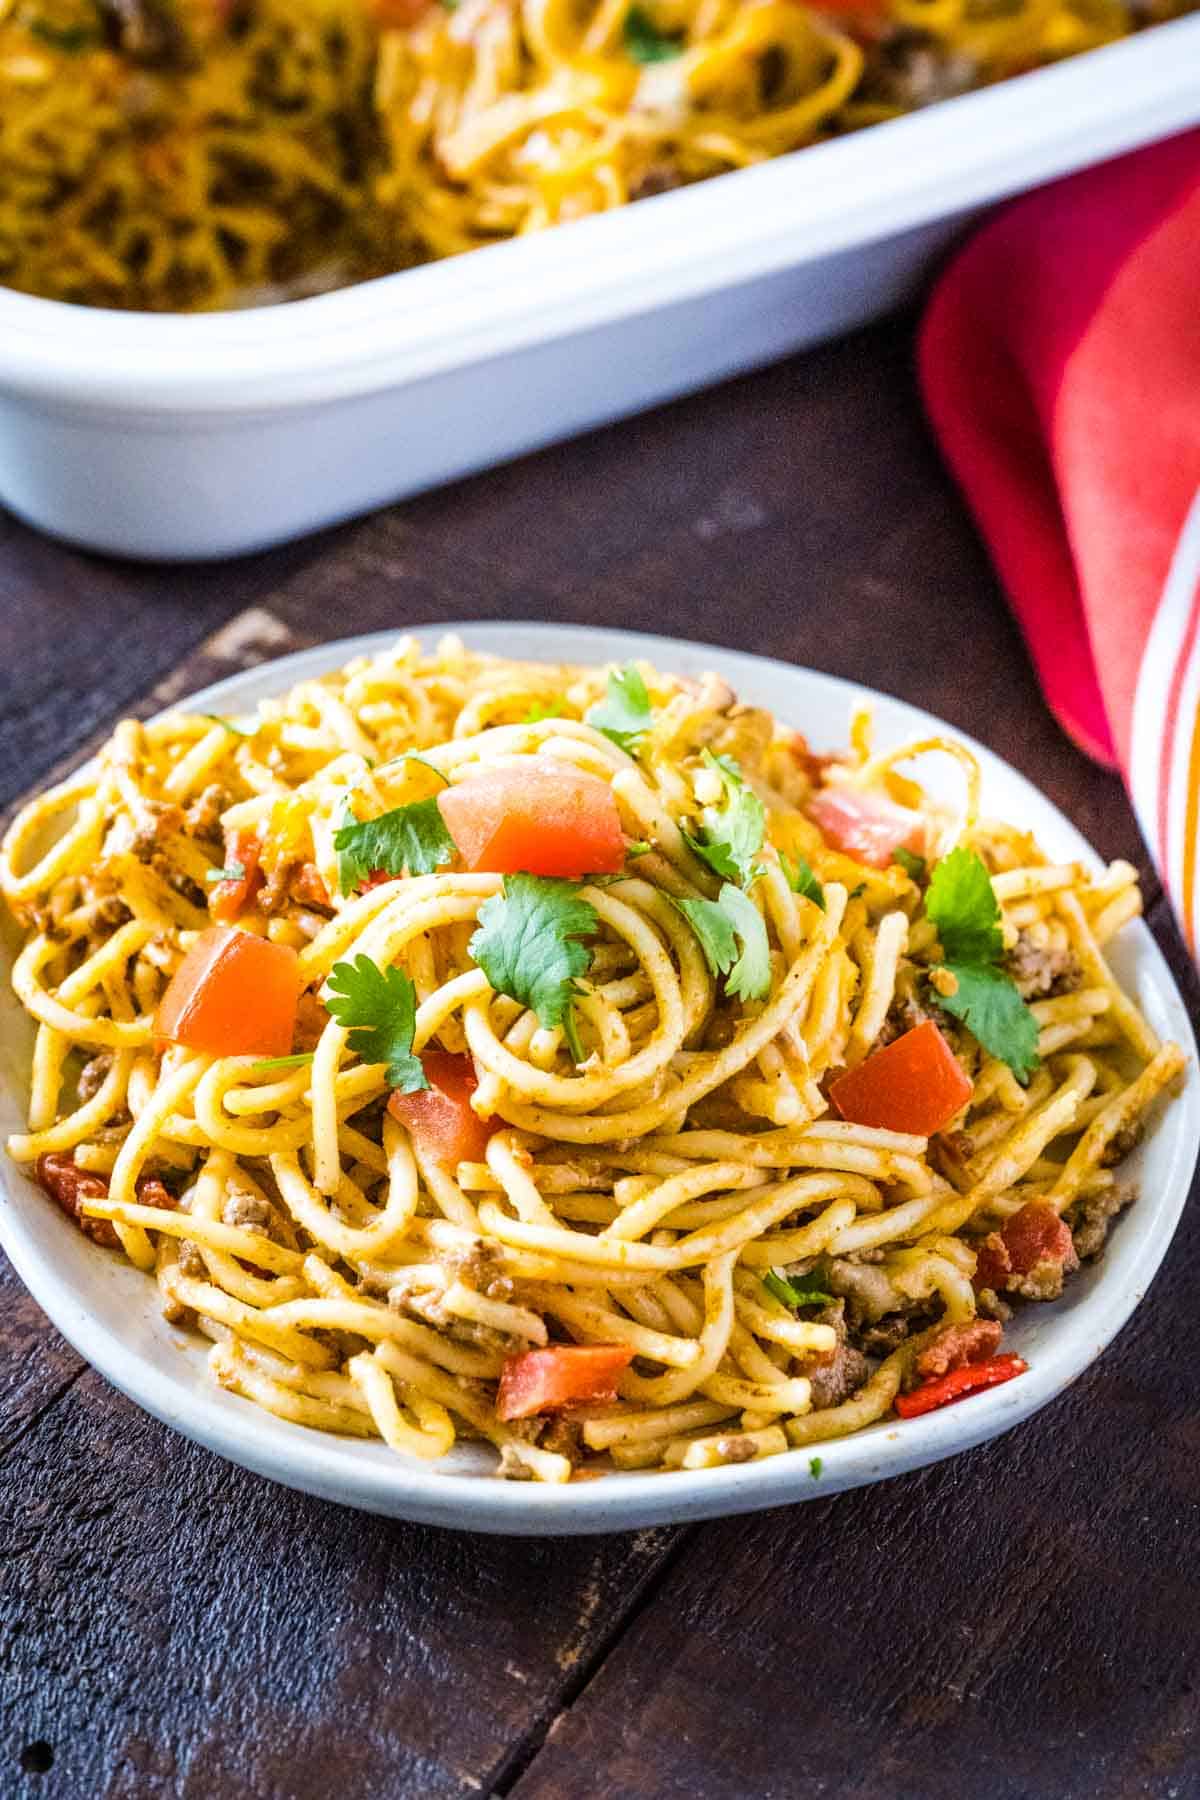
x,y
1017,1623
172,1626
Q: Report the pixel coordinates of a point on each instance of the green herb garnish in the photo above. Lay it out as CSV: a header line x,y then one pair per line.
x,y
730,835
70,38
625,714
379,1007
734,940
544,709
528,946
795,1291
914,866
644,42
267,1065
961,903
231,725
802,881
409,840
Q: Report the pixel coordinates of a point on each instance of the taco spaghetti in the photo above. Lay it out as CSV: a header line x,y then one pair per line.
x,y
179,155
570,1059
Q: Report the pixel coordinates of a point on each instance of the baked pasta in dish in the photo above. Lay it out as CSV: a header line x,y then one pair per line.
x,y
184,154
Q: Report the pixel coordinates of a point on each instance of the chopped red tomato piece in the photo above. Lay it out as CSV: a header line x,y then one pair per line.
x,y
233,994
229,898
1033,1236
565,1375
868,827
914,1084
973,1341
71,1187
440,1117
972,1378
543,818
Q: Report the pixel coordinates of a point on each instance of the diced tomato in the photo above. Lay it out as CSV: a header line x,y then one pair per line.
x,y
70,1186
868,827
233,994
972,1378
973,1341
565,1375
1034,1235
542,818
229,898
440,1117
914,1084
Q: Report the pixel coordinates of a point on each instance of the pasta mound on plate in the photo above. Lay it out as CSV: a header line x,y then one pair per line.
x,y
184,154
571,1059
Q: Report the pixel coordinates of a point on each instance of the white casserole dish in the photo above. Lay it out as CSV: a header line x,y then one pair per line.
x,y
208,435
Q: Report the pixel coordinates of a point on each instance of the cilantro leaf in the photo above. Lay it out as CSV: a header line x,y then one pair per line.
x,y
815,1465
624,715
960,902
544,709
379,1006
914,866
794,1291
802,881
71,39
231,725
528,946
267,1065
644,42
731,835
989,1005
721,925
234,871
410,839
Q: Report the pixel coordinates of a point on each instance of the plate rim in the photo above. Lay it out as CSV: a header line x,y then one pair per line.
x,y
326,1466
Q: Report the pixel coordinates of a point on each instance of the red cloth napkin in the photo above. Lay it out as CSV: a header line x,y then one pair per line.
x,y
1060,363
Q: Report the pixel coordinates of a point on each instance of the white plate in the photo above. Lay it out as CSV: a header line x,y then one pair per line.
x,y
109,1311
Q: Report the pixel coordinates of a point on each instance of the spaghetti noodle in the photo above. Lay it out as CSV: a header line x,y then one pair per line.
x,y
185,154
647,1088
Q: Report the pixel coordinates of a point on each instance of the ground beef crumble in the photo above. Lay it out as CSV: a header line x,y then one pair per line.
x,y
1093,1217
1040,971
248,1213
1123,1143
93,1075
843,1370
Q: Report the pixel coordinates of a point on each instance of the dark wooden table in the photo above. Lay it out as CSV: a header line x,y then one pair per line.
x,y
1019,1622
